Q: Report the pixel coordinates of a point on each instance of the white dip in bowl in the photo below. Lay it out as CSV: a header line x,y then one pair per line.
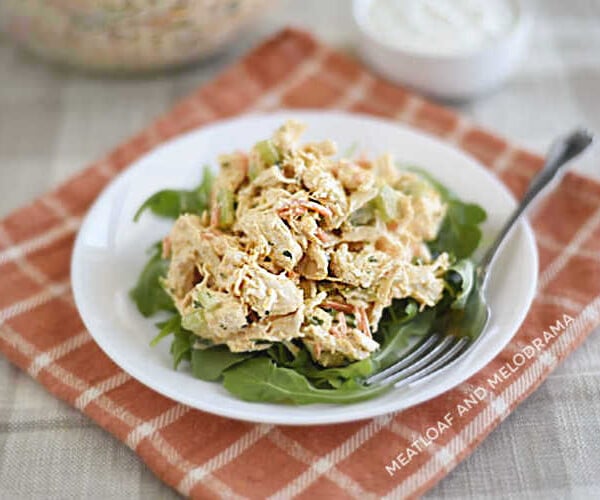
x,y
448,48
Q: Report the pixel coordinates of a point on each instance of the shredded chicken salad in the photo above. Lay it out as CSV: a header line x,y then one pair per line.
x,y
290,246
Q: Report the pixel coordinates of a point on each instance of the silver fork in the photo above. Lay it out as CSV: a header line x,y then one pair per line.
x,y
438,352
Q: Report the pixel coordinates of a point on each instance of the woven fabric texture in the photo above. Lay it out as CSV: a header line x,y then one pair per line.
x,y
206,456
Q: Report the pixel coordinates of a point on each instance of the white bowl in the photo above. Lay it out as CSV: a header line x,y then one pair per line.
x,y
449,76
109,253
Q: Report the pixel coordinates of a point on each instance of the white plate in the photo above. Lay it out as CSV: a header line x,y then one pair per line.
x,y
110,252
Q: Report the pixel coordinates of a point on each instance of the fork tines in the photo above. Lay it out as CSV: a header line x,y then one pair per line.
x,y
435,352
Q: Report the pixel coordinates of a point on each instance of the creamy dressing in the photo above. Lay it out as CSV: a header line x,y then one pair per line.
x,y
441,27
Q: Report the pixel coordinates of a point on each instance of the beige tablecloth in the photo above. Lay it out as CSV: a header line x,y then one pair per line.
x,y
52,124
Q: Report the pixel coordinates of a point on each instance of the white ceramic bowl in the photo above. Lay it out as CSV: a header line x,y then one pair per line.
x,y
109,253
448,76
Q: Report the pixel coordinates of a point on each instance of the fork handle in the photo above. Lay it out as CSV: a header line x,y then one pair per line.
x,y
560,153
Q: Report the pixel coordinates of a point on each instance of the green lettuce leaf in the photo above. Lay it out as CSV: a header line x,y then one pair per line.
x,y
321,377
461,276
171,203
210,363
459,234
166,328
148,294
395,336
260,379
182,345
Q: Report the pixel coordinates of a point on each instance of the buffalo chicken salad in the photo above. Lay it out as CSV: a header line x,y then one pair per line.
x,y
292,274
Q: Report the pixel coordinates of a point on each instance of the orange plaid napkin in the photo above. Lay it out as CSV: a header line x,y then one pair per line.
x,y
202,455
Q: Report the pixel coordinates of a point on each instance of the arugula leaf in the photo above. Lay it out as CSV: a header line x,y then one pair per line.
x,y
468,321
183,340
210,363
397,334
445,193
182,345
171,203
260,379
279,353
181,349
336,376
463,272
321,377
459,234
166,328
148,294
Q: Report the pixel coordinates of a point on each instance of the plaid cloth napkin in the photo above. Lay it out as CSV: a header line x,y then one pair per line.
x,y
206,456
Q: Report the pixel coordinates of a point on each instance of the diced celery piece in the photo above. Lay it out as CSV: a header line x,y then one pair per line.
x,y
268,152
204,299
386,203
226,202
361,216
194,321
203,191
253,169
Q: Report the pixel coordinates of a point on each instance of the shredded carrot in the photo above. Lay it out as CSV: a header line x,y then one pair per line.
x,y
341,317
210,234
317,350
204,217
166,247
358,318
316,207
362,320
341,329
322,235
244,163
363,161
330,304
299,207
294,211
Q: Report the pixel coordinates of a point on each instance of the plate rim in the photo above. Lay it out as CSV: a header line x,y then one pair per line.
x,y
301,420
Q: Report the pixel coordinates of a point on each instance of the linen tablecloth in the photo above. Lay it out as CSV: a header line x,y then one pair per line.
x,y
25,428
